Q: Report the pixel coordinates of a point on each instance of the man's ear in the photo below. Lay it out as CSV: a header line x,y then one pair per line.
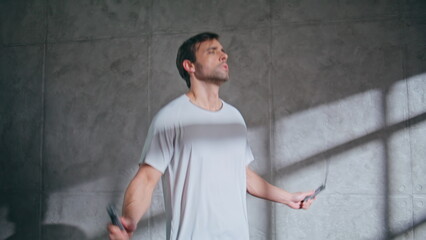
x,y
188,66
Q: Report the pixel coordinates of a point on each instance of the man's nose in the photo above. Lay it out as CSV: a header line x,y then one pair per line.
x,y
224,56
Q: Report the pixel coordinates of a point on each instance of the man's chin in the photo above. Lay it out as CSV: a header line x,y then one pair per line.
x,y
217,81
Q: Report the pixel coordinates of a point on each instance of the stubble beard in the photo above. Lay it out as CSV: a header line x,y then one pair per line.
x,y
216,76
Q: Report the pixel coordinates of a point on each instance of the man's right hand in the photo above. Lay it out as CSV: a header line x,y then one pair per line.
x,y
115,233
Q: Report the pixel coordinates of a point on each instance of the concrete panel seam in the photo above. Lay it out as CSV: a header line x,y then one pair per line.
x,y
334,22
42,130
94,39
271,122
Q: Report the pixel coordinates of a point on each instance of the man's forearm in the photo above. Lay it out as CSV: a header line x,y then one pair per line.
x,y
260,188
137,198
136,201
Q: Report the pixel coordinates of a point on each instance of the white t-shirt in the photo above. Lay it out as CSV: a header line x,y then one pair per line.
x,y
203,156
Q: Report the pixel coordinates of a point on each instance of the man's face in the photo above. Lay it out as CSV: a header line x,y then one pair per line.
x,y
211,62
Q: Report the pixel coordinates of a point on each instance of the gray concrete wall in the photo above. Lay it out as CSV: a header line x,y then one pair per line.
x,y
337,83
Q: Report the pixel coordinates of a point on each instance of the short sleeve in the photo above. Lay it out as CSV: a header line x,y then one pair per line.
x,y
249,155
158,149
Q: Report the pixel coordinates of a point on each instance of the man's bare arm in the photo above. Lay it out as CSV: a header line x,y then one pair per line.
x,y
137,200
138,195
259,187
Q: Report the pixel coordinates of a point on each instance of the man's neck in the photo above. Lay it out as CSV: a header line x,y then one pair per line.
x,y
206,96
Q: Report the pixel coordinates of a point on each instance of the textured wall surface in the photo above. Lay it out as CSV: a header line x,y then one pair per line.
x,y
320,83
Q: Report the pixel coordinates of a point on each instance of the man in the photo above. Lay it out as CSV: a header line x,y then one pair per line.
x,y
198,145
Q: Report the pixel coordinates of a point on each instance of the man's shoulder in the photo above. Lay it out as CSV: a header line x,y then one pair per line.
x,y
172,105
233,110
230,107
169,111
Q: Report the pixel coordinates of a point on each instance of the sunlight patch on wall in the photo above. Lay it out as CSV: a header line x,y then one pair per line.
x,y
326,126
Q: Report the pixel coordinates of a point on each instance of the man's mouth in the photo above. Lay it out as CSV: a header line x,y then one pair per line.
x,y
225,66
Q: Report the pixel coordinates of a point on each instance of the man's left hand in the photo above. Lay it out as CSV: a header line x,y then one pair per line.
x,y
297,200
